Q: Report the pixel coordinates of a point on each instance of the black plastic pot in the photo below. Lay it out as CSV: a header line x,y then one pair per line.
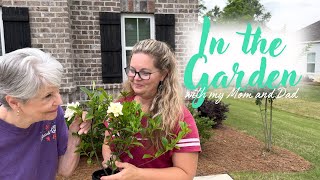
x,y
99,173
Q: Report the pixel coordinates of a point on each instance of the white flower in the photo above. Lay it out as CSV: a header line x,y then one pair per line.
x,y
115,108
70,112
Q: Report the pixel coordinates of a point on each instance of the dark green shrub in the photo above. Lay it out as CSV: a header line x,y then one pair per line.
x,y
204,125
214,111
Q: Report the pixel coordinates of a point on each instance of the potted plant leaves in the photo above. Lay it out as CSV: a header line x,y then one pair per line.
x,y
122,120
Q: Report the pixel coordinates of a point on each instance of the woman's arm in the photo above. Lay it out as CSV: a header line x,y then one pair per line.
x,y
69,161
106,151
184,168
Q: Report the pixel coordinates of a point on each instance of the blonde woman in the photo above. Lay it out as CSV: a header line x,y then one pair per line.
x,y
153,82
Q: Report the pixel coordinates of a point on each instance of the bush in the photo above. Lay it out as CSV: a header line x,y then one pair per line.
x,y
214,111
307,79
204,125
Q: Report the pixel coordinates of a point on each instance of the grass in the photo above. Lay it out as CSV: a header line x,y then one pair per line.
x,y
296,127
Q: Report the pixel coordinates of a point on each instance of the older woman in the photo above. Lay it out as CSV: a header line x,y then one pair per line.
x,y
35,142
153,82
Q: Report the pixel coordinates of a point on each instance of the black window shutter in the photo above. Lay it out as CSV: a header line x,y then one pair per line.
x,y
110,31
16,28
165,24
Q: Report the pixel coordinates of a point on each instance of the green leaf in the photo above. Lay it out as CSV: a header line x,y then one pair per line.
x,y
164,141
147,156
73,108
137,144
105,94
89,161
89,116
159,153
87,91
127,129
129,154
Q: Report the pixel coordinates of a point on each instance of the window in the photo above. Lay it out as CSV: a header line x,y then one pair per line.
x,y
134,28
2,47
119,32
311,62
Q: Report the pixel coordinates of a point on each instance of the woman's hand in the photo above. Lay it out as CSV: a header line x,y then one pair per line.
x,y
80,126
128,172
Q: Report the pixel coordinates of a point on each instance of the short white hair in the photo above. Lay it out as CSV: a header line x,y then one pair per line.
x,y
23,72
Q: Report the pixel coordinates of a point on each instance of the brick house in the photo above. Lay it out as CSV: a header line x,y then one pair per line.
x,y
92,38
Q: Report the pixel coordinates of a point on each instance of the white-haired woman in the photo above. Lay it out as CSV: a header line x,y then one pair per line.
x,y
35,142
153,82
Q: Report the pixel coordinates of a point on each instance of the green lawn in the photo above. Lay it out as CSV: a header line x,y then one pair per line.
x,y
296,127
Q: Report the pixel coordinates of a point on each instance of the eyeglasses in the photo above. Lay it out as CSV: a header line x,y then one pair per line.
x,y
142,74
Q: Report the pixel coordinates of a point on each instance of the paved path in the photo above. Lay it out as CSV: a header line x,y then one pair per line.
x,y
214,177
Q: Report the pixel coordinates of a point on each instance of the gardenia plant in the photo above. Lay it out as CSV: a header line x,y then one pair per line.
x,y
123,122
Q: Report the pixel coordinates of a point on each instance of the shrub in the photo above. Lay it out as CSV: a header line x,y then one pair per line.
x,y
204,125
214,111
307,79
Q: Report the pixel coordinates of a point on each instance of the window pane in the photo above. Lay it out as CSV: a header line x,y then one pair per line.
x,y
128,53
144,28
310,68
311,57
131,31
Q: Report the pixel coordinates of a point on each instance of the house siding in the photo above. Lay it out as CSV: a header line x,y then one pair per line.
x,y
70,31
314,48
309,36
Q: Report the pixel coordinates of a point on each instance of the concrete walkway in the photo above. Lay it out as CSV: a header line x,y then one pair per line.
x,y
214,177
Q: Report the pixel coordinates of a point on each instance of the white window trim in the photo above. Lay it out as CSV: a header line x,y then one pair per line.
x,y
315,55
123,40
2,33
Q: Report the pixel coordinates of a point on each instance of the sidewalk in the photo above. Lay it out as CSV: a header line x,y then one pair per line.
x,y
214,177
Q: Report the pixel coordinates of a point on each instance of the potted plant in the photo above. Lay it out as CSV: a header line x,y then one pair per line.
x,y
123,123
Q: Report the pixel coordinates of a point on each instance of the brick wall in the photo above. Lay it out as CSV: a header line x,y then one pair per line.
x,y
186,21
69,29
51,32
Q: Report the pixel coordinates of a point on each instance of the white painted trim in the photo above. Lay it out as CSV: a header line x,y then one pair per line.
x,y
123,40
188,144
123,51
308,42
2,33
189,140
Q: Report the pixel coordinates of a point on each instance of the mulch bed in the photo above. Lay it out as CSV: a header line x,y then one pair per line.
x,y
233,151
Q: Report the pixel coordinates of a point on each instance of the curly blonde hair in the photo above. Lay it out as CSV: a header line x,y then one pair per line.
x,y
168,102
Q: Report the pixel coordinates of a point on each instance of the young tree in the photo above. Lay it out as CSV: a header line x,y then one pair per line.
x,y
264,99
236,11
244,11
213,13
